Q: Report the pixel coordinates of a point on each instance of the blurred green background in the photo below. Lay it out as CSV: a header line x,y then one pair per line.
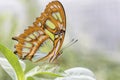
x,y
94,23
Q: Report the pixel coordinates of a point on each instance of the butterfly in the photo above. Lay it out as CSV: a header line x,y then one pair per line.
x,y
43,40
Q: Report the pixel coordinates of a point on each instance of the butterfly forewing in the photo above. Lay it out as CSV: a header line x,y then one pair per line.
x,y
29,41
44,39
56,16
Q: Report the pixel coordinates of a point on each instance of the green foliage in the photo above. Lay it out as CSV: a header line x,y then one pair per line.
x,y
15,68
13,60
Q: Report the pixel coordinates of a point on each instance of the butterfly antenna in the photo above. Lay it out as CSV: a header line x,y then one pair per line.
x,y
73,41
69,42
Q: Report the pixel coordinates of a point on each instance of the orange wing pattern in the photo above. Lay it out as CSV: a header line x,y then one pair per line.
x,y
51,25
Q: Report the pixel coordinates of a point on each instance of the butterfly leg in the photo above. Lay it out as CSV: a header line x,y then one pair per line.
x,y
56,52
53,58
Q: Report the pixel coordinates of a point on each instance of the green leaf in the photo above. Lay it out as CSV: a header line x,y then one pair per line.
x,y
13,60
30,78
47,75
43,72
